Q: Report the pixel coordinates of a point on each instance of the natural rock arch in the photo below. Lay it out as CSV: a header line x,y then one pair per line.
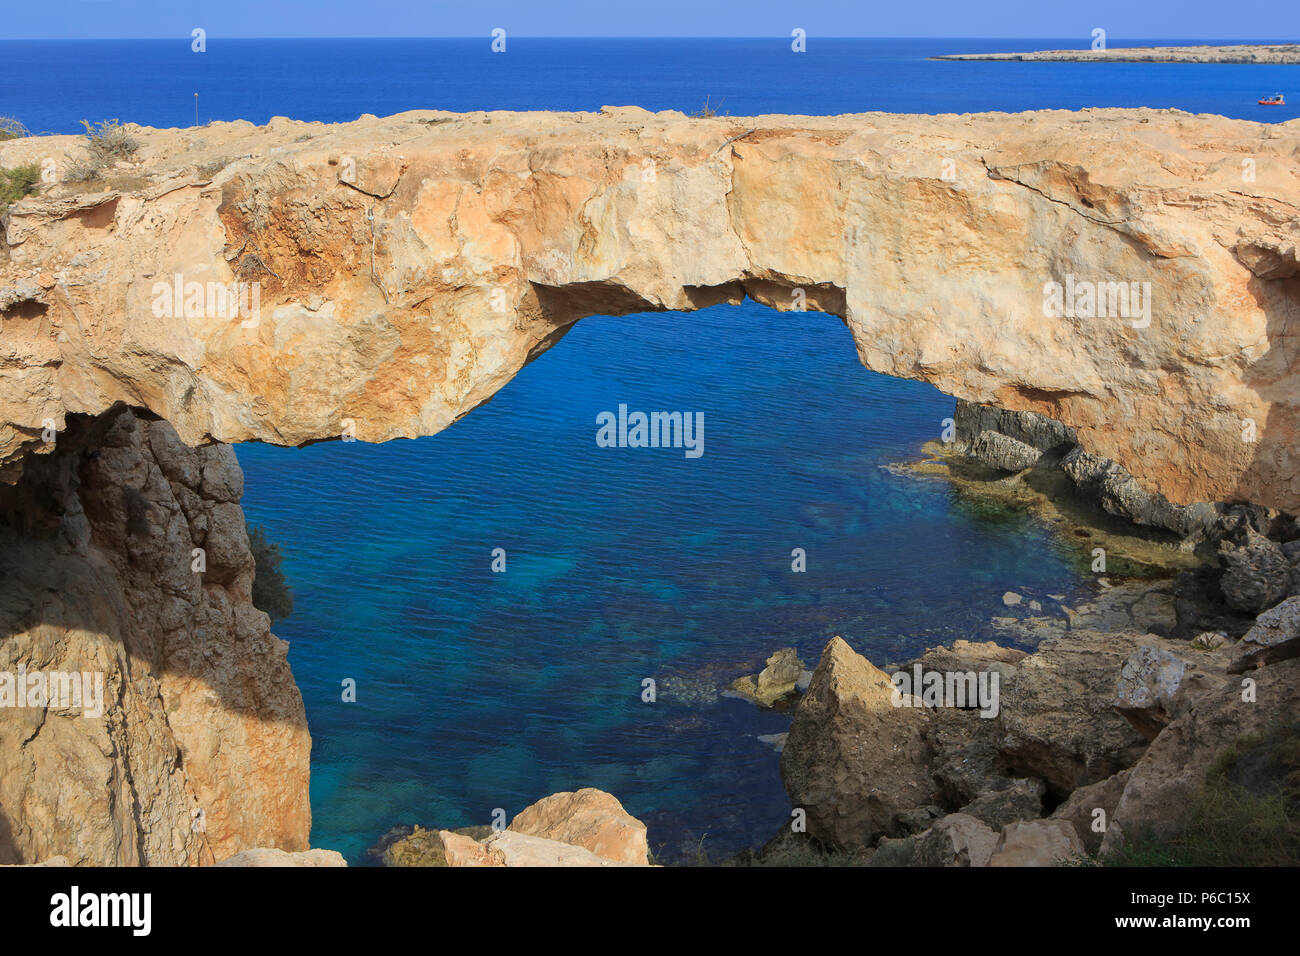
x,y
408,267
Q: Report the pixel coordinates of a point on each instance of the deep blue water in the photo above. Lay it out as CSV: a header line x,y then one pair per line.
x,y
479,690
51,85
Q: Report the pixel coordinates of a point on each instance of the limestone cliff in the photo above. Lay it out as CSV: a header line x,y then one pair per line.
x,y
200,748
407,267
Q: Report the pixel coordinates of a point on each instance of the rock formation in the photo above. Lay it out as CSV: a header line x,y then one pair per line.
x,y
200,749
585,828
406,268
777,683
379,279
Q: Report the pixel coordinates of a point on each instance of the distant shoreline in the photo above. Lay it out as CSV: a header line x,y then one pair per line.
x,y
1278,53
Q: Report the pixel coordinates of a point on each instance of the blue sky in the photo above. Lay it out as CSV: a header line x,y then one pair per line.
x,y
1171,19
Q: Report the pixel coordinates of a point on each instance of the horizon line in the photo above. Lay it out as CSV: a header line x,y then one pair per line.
x,y
627,36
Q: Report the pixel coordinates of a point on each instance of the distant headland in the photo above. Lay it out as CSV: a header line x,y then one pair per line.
x,y
1234,53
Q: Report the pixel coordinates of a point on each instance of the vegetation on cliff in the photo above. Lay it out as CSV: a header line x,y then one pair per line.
x,y
11,128
1247,813
271,592
107,142
16,183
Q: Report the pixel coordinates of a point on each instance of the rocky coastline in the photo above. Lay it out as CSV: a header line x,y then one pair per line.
x,y
1202,53
125,550
1116,716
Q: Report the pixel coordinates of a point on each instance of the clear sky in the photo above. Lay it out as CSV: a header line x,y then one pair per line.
x,y
1165,19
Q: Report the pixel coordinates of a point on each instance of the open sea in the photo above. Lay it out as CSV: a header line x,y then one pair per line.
x,y
478,690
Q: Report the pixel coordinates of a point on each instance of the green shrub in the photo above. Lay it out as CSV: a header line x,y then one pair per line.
x,y
10,128
18,182
270,590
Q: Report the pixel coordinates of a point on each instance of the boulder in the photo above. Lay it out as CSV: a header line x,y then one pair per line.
x,y
1256,573
1081,807
1055,718
970,656
269,856
1021,800
1003,452
776,682
1275,637
1148,684
854,761
460,850
959,839
1161,791
1036,843
520,849
587,818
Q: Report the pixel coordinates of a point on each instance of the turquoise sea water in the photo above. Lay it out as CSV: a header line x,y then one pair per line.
x,y
479,690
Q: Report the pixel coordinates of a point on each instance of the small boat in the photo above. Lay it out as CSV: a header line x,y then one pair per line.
x,y
1274,100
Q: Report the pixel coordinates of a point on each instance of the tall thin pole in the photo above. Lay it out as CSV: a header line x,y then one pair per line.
x,y
196,109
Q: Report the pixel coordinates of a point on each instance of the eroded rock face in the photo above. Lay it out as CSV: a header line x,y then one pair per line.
x,y
201,749
1275,637
1090,809
1160,794
1256,572
409,266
